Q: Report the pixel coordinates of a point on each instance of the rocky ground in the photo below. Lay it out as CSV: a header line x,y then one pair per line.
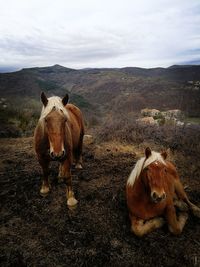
x,y
37,231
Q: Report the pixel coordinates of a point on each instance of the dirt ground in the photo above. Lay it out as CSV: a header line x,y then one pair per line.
x,y
37,231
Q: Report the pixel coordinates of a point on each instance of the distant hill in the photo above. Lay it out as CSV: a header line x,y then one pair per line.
x,y
30,80
106,90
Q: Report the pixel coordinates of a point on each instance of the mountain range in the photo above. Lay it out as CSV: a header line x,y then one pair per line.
x,y
130,88
106,91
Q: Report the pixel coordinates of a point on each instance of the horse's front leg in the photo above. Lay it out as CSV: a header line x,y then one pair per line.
x,y
140,227
65,171
45,188
60,173
175,223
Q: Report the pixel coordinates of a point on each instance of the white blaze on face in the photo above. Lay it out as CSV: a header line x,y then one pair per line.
x,y
52,148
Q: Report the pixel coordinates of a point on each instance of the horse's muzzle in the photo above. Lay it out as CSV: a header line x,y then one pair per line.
x,y
57,156
156,198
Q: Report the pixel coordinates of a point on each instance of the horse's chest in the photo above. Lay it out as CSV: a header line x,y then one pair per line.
x,y
149,210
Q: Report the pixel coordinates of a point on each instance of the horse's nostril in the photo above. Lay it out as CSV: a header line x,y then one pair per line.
x,y
52,155
154,195
164,196
63,153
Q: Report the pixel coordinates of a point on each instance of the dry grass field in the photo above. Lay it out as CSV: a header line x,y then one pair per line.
x,y
37,231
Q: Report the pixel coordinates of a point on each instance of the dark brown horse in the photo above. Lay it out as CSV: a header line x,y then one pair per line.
x,y
59,136
153,190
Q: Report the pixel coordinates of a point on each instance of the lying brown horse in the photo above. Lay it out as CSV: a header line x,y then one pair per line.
x,y
151,191
59,136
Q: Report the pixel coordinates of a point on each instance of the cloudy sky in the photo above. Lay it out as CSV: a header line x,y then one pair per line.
x,y
99,33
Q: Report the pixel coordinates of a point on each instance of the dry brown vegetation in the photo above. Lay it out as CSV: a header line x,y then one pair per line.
x,y
124,128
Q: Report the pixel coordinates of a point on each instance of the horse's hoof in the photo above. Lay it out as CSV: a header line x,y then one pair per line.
x,y
44,191
182,206
160,222
196,211
72,202
78,166
184,215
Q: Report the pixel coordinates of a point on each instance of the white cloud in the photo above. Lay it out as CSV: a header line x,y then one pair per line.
x,y
91,33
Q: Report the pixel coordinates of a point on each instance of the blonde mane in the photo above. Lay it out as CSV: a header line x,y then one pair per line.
x,y
53,102
143,163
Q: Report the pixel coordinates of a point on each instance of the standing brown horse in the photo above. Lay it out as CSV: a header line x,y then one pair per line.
x,y
151,191
59,136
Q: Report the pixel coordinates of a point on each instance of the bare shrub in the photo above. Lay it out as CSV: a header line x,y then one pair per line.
x,y
126,129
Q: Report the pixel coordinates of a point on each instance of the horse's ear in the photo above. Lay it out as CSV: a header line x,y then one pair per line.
x,y
65,99
147,152
44,99
164,154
